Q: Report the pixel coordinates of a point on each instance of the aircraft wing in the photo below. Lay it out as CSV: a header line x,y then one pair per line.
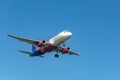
x,y
69,52
30,41
73,53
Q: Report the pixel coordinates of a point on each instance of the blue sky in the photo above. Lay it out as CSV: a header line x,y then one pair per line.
x,y
95,25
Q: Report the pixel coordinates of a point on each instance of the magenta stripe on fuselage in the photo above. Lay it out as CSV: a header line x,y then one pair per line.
x,y
45,49
49,48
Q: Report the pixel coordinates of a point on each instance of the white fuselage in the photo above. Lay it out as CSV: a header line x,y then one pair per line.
x,y
60,38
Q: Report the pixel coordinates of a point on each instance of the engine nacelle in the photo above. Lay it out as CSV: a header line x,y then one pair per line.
x,y
66,50
41,43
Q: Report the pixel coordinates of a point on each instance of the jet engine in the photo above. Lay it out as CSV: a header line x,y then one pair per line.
x,y
66,50
41,43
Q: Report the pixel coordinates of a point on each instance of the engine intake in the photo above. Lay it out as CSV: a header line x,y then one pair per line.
x,y
41,43
66,50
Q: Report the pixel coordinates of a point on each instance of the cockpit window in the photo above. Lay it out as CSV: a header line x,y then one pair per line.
x,y
65,31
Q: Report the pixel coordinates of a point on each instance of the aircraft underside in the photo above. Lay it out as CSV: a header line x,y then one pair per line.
x,y
40,47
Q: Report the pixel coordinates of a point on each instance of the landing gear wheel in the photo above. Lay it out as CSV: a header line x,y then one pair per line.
x,y
56,55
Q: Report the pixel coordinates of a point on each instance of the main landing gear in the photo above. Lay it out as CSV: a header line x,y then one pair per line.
x,y
56,55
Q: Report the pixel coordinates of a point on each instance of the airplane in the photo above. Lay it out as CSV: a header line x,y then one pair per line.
x,y
41,47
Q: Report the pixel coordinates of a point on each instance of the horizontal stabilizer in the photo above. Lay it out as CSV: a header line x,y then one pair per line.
x,y
41,56
25,52
30,53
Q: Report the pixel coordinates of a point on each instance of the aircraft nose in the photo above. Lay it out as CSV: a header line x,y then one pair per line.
x,y
69,34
